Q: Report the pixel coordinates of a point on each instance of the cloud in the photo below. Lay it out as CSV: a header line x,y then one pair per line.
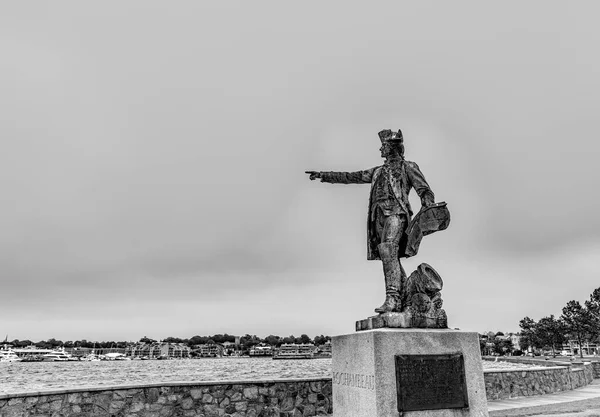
x,y
155,157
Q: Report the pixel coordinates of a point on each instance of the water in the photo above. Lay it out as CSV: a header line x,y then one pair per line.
x,y
40,376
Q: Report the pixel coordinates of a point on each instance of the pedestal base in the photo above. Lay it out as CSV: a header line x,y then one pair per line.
x,y
429,370
405,319
385,320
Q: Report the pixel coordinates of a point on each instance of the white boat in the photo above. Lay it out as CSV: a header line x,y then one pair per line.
x,y
8,355
122,358
115,356
56,356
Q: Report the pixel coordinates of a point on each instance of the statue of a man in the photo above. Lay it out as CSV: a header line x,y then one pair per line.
x,y
389,211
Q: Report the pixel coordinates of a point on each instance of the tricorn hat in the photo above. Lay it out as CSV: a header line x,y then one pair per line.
x,y
389,136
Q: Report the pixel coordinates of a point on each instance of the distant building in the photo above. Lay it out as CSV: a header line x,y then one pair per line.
x,y
261,350
588,348
516,341
228,348
211,350
158,350
296,351
174,350
325,348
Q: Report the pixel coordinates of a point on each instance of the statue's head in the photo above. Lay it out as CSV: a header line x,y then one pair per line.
x,y
392,143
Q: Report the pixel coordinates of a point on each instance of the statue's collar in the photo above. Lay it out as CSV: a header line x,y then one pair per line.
x,y
393,162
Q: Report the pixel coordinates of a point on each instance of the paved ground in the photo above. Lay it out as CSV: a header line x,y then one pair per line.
x,y
582,402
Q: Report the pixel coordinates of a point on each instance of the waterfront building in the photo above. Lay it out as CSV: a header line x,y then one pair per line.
x,y
325,348
261,350
228,348
158,350
516,341
174,350
143,350
211,350
296,351
83,352
587,348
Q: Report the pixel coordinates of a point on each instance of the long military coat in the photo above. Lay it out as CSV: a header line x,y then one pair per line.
x,y
408,176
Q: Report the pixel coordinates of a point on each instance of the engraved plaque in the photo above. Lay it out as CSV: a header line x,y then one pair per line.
x,y
431,382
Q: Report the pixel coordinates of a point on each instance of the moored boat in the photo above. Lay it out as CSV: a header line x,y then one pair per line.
x,y
58,356
8,355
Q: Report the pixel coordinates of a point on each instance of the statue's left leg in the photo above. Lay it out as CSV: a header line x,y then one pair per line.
x,y
388,251
395,277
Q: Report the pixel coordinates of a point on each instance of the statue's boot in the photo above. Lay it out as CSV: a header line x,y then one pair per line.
x,y
393,272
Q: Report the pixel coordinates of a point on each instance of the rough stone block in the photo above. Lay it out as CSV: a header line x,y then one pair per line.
x,y
166,411
309,410
211,410
13,412
14,401
136,407
196,393
56,405
116,405
251,393
155,407
152,394
241,406
29,401
287,404
187,403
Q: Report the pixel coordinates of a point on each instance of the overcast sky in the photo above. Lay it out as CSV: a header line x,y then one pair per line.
x,y
152,159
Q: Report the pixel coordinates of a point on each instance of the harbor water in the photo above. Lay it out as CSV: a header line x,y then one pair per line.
x,y
40,376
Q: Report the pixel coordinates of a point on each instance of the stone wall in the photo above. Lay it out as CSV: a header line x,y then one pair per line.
x,y
590,368
273,398
281,398
596,366
502,384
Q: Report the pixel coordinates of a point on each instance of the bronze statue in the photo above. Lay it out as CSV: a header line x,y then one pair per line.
x,y
391,232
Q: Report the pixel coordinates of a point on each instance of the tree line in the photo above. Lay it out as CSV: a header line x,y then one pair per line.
x,y
245,342
491,343
577,322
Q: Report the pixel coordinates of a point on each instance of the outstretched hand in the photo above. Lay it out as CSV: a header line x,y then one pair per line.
x,y
313,175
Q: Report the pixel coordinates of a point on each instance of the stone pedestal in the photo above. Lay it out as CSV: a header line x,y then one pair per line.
x,y
374,370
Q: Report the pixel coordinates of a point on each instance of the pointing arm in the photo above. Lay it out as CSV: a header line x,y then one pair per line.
x,y
332,177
